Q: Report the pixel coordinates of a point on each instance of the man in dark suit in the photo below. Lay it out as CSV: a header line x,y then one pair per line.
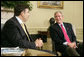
x,y
64,38
13,33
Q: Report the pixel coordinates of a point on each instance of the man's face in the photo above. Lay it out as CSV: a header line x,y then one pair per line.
x,y
58,17
25,15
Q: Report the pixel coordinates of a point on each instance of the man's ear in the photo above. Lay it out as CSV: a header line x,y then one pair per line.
x,y
62,17
22,13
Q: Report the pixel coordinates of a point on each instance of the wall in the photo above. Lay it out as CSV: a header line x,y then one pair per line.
x,y
39,17
73,13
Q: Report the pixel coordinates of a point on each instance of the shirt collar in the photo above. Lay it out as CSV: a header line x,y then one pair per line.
x,y
19,20
60,24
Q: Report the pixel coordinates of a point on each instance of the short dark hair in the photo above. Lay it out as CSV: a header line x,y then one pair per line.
x,y
19,8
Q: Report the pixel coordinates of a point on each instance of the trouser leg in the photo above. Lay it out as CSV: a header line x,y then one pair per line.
x,y
80,48
71,51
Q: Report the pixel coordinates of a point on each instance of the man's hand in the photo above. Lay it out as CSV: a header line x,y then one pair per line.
x,y
72,45
39,42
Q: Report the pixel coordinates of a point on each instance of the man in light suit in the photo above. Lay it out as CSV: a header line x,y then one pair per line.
x,y
67,45
13,35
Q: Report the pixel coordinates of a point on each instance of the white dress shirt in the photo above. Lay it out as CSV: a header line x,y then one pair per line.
x,y
19,20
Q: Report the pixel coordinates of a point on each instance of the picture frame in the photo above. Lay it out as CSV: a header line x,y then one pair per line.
x,y
50,4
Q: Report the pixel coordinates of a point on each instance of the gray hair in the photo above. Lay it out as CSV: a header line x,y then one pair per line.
x,y
58,12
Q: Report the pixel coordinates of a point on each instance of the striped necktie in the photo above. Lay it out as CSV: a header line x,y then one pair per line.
x,y
65,34
24,28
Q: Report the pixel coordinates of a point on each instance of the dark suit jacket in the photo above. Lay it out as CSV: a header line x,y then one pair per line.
x,y
58,36
12,35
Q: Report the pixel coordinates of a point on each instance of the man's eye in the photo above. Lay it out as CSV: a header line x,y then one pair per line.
x,y
55,16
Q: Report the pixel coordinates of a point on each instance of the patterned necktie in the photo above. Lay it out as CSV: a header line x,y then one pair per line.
x,y
65,34
24,28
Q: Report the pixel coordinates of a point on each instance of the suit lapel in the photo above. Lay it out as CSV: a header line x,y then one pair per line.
x,y
28,32
59,30
67,28
19,26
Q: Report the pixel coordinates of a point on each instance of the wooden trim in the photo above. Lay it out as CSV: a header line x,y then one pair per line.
x,y
6,9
